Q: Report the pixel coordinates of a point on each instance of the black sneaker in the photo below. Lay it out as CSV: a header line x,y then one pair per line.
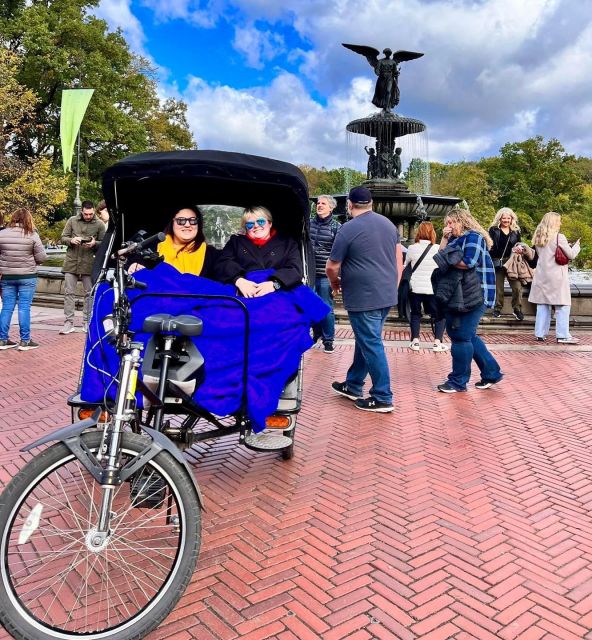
x,y
329,348
485,384
518,314
342,390
497,313
27,346
539,339
445,387
7,344
371,404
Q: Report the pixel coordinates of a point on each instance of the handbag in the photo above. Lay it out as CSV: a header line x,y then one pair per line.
x,y
497,262
560,257
405,285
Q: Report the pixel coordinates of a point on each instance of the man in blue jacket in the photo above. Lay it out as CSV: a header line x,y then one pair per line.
x,y
323,229
363,265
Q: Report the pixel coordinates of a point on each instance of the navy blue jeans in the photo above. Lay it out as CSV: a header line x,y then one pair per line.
x,y
18,291
468,346
369,356
326,327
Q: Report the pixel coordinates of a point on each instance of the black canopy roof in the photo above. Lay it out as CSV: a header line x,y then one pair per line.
x,y
147,188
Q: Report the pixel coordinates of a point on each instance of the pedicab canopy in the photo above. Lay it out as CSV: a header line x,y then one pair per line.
x,y
143,191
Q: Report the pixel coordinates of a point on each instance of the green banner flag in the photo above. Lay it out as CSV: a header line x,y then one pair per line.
x,y
74,104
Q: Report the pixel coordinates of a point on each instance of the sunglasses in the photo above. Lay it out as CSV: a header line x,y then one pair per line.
x,y
260,222
183,221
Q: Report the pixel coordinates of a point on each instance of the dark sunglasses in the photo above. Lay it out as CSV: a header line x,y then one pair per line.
x,y
183,221
260,222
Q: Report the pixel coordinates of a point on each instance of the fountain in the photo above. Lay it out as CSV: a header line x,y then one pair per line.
x,y
391,195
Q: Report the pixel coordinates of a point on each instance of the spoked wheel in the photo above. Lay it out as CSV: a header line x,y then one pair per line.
x,y
57,583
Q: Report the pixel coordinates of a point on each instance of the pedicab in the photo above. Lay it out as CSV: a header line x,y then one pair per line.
x,y
100,532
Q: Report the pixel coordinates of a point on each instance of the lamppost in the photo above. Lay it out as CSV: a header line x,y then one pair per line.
x,y
77,200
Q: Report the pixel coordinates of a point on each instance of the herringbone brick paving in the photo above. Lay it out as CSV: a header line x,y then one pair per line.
x,y
463,516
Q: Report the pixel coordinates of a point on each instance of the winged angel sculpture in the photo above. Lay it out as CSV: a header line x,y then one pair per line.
x,y
386,93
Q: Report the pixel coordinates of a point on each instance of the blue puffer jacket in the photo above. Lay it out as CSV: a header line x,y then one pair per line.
x,y
322,235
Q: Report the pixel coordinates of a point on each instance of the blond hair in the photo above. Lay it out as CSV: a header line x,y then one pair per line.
x,y
256,211
547,228
506,211
468,223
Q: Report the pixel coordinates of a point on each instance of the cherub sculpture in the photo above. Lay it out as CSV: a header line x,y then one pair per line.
x,y
386,92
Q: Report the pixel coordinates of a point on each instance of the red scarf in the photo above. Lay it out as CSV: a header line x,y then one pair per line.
x,y
260,242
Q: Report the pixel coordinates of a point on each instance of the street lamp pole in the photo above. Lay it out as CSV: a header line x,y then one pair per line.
x,y
77,200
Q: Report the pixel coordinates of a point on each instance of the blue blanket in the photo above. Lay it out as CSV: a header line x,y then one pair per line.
x,y
279,335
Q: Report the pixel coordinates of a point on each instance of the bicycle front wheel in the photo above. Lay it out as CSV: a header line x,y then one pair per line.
x,y
56,583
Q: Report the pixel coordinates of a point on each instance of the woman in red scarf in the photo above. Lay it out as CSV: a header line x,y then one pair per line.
x,y
259,248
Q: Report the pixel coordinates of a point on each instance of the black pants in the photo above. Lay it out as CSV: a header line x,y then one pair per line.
x,y
416,300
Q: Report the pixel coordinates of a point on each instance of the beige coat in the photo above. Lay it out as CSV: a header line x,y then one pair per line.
x,y
550,284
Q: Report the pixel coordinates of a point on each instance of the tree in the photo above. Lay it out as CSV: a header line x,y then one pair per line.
x,y
32,184
331,181
468,181
63,46
534,176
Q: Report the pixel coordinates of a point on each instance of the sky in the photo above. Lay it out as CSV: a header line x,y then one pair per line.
x,y
271,78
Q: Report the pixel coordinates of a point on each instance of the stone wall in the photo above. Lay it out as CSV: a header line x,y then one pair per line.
x,y
50,293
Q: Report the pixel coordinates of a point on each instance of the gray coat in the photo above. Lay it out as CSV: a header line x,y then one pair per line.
x,y
19,253
550,284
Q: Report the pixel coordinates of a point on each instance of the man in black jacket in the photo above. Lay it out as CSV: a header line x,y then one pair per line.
x,y
323,228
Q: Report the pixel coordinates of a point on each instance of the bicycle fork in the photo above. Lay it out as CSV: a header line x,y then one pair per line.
x,y
125,405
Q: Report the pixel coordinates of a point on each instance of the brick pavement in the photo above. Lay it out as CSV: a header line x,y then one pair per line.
x,y
463,516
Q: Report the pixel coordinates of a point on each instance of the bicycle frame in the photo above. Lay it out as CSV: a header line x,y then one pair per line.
x,y
110,475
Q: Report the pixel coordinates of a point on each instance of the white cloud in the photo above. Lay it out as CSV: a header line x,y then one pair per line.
x,y
201,14
118,15
280,121
257,46
494,71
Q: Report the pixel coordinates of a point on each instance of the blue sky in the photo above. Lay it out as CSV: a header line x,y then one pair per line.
x,y
273,79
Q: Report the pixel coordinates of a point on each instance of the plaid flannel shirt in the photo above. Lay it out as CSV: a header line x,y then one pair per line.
x,y
475,254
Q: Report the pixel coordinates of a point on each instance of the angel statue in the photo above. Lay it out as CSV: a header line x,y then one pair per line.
x,y
386,92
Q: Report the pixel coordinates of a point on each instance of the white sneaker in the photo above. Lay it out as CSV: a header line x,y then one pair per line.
x,y
414,345
570,340
67,328
439,346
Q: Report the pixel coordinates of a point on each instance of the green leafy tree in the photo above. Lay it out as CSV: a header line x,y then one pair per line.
x,y
468,181
63,46
31,183
331,181
534,176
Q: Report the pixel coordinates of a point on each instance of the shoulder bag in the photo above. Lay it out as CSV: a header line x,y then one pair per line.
x,y
497,262
405,285
560,257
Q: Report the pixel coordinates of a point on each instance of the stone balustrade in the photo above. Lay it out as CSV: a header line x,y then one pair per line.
x,y
50,293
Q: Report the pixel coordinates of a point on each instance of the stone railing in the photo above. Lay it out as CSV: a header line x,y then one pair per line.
x,y
50,293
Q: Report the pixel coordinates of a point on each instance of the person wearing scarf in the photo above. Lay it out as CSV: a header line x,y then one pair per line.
x,y
259,248
185,246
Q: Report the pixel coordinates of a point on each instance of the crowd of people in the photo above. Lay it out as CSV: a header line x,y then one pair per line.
x,y
453,282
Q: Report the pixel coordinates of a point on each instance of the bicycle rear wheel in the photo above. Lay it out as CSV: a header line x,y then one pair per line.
x,y
56,584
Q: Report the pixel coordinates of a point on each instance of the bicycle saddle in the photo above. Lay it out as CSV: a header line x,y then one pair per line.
x,y
166,323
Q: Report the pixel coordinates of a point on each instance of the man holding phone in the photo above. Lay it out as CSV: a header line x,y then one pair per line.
x,y
82,235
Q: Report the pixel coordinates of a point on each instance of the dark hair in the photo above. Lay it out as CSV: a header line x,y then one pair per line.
x,y
87,204
199,238
101,205
22,217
